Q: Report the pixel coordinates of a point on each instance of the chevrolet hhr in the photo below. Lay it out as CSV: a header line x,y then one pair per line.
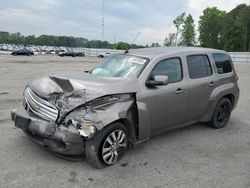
x,y
126,100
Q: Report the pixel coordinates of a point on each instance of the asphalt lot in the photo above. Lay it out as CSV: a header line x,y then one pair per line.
x,y
195,156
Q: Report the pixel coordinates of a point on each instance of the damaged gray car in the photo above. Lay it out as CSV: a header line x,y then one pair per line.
x,y
126,100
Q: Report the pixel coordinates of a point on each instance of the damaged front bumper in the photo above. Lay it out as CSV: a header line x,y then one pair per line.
x,y
58,139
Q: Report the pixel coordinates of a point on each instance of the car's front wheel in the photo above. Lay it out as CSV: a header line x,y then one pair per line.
x,y
108,146
221,114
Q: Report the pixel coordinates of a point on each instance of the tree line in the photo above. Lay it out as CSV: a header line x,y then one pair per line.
x,y
218,29
66,41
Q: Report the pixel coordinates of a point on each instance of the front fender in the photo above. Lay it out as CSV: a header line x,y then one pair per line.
x,y
114,112
101,116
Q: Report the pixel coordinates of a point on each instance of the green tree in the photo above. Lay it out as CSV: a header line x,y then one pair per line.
x,y
188,32
155,44
121,46
170,40
211,28
178,22
236,29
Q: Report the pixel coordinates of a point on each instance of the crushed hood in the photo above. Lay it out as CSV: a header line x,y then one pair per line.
x,y
93,86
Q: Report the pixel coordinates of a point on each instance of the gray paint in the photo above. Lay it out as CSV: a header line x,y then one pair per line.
x,y
159,109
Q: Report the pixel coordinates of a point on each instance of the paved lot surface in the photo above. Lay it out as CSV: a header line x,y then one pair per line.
x,y
195,156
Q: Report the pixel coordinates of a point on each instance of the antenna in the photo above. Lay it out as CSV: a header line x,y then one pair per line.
x,y
102,20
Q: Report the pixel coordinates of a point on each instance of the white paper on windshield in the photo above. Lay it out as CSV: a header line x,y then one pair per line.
x,y
137,60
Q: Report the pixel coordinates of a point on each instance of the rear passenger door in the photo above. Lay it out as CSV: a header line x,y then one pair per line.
x,y
201,83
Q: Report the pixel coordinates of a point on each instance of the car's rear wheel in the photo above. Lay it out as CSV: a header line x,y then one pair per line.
x,y
108,146
221,114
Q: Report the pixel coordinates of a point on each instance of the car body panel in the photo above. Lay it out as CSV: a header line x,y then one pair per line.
x,y
146,111
73,82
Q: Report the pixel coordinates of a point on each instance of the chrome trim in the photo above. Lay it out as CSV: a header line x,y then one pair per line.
x,y
39,106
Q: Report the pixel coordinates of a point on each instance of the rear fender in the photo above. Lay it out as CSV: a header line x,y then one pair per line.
x,y
217,94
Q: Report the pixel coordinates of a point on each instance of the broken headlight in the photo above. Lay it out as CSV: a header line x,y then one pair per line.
x,y
82,122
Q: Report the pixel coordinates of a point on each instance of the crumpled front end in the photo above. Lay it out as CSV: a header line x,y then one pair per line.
x,y
64,115
58,139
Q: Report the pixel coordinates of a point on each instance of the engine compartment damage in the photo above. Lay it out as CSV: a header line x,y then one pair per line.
x,y
96,114
83,110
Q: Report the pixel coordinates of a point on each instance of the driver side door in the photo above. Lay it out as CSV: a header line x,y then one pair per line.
x,y
168,103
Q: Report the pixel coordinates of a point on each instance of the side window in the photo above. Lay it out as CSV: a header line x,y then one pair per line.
x,y
169,67
223,63
199,66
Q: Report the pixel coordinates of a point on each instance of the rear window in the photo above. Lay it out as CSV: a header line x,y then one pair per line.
x,y
222,62
198,66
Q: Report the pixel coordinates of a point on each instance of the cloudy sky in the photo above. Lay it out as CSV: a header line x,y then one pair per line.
x,y
124,18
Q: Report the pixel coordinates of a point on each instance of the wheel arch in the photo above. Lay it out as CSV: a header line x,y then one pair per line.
x,y
125,112
213,103
131,128
231,97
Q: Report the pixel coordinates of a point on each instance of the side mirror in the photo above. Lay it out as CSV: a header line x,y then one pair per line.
x,y
159,80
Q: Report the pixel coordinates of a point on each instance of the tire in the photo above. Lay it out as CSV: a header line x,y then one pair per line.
x,y
221,114
99,151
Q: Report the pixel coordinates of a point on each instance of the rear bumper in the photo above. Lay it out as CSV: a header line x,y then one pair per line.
x,y
58,139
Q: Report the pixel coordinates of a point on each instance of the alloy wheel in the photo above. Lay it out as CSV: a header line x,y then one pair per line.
x,y
114,144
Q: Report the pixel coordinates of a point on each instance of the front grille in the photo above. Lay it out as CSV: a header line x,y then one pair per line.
x,y
39,106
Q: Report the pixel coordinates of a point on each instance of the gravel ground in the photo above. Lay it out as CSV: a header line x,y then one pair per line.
x,y
195,156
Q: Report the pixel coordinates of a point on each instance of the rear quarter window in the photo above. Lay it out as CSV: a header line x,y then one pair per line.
x,y
222,62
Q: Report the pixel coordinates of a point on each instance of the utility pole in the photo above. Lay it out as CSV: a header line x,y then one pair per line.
x,y
102,20
114,38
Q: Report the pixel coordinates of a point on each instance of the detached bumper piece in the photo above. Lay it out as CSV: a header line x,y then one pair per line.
x,y
61,140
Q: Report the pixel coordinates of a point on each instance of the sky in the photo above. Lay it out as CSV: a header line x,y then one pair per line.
x,y
122,18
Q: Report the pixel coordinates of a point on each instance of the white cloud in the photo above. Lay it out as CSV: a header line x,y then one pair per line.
x,y
16,14
70,23
151,35
41,4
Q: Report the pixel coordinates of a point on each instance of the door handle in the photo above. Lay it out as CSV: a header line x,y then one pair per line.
x,y
179,91
211,84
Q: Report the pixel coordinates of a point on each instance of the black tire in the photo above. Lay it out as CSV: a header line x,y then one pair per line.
x,y
95,147
221,114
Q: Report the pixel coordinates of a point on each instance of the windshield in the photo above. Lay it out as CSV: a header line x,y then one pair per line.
x,y
121,66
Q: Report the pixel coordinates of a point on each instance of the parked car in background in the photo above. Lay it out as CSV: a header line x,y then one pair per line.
x,y
23,51
80,54
72,54
126,100
105,54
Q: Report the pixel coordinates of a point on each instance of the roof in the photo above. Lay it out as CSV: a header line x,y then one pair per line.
x,y
157,51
